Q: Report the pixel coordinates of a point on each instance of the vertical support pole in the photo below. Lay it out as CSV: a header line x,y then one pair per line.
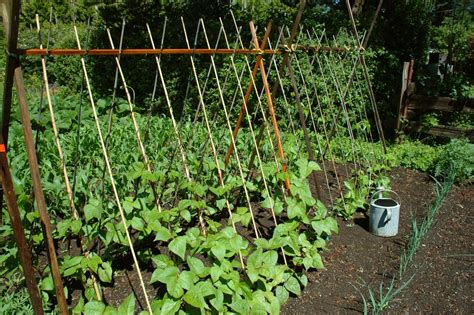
x,y
11,16
24,252
38,190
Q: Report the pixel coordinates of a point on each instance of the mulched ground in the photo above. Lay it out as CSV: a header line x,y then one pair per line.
x,y
442,267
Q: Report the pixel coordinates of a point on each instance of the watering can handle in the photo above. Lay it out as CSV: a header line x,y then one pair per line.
x,y
382,190
389,215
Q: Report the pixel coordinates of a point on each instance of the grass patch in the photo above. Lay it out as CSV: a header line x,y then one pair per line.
x,y
14,298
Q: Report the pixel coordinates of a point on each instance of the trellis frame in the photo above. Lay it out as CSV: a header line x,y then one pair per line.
x,y
11,10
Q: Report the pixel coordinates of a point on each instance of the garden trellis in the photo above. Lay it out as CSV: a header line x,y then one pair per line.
x,y
242,168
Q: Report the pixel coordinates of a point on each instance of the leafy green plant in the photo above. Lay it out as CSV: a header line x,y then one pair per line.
x,y
456,159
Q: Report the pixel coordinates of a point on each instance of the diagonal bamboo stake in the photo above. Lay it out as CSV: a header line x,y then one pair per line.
x,y
342,99
213,146
276,86
112,106
78,131
40,111
175,127
259,99
55,130
260,106
249,121
111,177
170,107
303,121
372,24
357,159
378,123
310,103
331,104
356,90
67,183
283,93
321,114
333,129
239,165
146,161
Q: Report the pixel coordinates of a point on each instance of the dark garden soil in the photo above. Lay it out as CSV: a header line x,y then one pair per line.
x,y
442,267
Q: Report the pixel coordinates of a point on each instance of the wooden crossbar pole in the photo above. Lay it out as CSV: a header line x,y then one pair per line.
x,y
143,51
180,51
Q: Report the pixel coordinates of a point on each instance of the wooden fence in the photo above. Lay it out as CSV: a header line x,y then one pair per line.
x,y
413,106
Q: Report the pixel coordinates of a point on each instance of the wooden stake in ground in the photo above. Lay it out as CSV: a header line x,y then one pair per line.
x,y
38,191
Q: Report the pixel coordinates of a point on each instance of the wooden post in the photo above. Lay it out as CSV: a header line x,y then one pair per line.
x,y
24,252
401,106
11,15
407,75
38,190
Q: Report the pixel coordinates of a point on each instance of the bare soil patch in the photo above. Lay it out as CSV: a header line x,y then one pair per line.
x,y
443,266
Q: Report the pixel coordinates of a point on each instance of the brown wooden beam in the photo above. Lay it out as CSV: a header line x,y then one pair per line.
x,y
144,51
445,104
11,16
180,51
38,190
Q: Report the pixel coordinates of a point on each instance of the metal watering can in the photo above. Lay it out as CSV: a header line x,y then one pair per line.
x,y
384,214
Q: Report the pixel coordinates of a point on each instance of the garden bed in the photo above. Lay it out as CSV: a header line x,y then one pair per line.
x,y
442,266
